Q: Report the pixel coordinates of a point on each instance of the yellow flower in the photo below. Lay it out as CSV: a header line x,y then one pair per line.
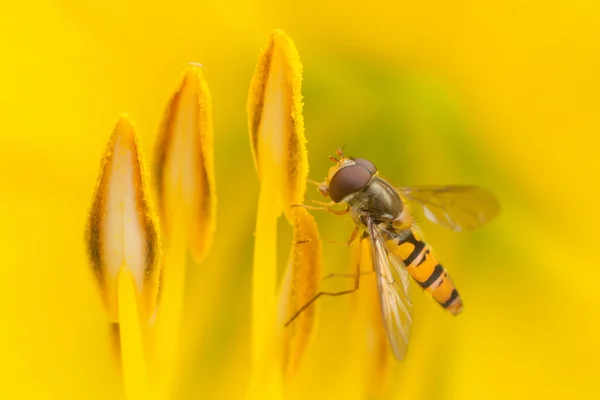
x,y
432,94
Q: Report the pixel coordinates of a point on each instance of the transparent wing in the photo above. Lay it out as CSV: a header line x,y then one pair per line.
x,y
458,207
393,283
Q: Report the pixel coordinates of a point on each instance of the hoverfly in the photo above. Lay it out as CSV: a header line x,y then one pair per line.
x,y
380,212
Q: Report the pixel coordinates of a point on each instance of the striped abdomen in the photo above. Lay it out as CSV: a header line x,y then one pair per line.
x,y
422,265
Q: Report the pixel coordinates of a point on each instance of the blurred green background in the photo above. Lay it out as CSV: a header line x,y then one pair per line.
x,y
502,94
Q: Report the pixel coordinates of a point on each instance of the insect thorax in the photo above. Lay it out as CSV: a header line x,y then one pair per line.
x,y
377,201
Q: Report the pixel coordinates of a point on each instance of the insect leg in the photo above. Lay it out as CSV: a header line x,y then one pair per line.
x,y
357,275
324,203
324,208
321,186
313,182
353,236
346,275
347,244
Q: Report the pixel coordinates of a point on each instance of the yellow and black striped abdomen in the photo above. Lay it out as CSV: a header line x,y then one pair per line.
x,y
422,265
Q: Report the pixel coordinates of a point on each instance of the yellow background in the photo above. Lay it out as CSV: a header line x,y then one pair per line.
x,y
503,94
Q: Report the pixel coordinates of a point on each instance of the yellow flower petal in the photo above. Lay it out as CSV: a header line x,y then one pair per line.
x,y
184,167
122,229
275,120
300,285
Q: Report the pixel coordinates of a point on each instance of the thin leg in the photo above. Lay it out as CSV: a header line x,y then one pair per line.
x,y
339,212
347,244
334,275
313,182
324,203
353,236
343,292
321,186
346,275
323,208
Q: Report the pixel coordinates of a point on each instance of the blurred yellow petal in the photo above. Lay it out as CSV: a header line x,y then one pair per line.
x,y
266,374
184,167
300,285
275,120
122,229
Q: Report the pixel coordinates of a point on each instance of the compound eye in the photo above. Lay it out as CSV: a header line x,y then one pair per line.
x,y
348,180
366,164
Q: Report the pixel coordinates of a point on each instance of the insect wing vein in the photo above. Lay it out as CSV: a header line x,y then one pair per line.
x,y
457,207
393,283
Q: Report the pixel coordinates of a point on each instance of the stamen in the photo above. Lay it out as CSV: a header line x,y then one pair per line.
x,y
135,378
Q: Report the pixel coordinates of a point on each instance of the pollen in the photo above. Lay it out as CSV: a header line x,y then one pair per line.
x,y
122,231
275,120
278,145
184,166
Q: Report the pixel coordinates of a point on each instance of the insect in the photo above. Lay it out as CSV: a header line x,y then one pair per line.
x,y
380,213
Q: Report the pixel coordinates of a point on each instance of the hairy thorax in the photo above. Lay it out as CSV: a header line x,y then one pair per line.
x,y
378,202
